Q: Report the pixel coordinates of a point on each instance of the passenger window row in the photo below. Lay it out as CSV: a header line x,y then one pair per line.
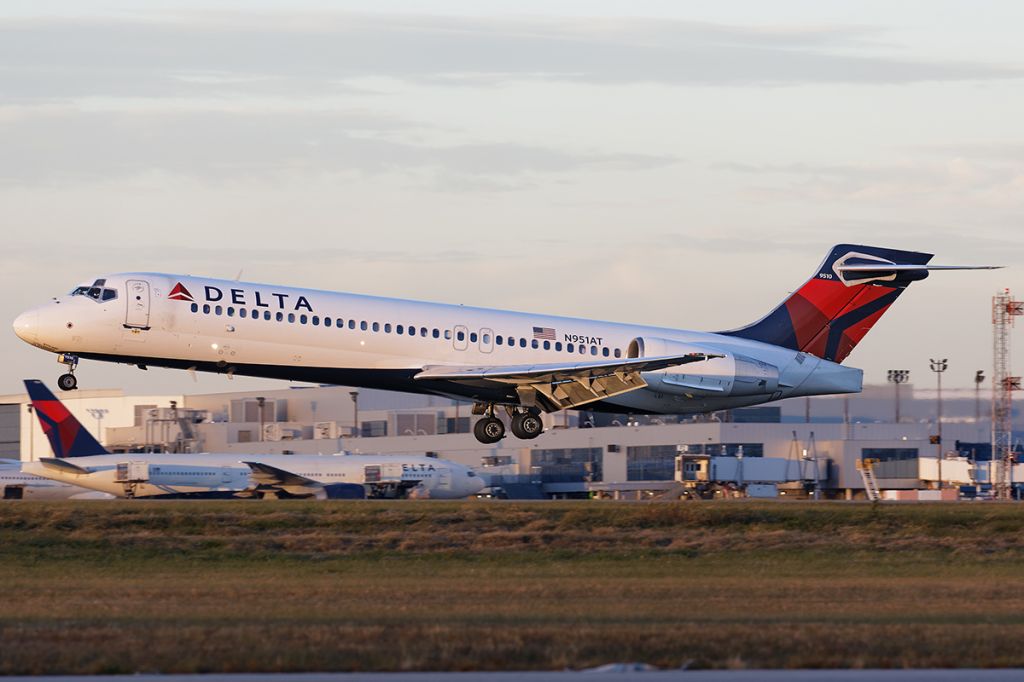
x,y
407,330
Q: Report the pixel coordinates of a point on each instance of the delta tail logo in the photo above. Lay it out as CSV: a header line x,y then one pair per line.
x,y
180,293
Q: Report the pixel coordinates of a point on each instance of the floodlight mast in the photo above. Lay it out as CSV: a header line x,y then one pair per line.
x,y
1004,311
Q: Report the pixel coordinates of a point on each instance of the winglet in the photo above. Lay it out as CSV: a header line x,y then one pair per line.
x,y
68,437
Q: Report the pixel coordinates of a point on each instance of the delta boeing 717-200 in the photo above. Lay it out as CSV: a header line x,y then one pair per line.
x,y
523,363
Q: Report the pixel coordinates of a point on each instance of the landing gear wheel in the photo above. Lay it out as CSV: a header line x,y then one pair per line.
x,y
527,425
489,430
67,382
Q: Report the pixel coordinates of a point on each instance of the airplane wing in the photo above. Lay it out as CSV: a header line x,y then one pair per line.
x,y
559,386
264,474
281,481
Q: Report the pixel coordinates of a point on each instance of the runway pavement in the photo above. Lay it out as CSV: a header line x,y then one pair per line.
x,y
607,674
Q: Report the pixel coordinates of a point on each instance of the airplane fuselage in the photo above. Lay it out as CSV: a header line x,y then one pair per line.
x,y
325,337
227,475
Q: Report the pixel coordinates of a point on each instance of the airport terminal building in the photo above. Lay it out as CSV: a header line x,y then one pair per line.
x,y
792,448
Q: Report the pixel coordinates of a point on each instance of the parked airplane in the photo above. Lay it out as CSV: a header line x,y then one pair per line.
x,y
81,460
18,485
523,362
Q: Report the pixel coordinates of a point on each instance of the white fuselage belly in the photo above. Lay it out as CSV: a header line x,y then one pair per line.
x,y
210,473
374,346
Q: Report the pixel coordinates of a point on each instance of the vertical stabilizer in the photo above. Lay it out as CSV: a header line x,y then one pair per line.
x,y
68,437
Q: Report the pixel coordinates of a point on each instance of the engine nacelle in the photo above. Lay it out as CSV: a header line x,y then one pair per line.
x,y
731,375
344,491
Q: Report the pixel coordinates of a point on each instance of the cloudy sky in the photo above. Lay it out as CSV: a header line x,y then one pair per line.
x,y
683,164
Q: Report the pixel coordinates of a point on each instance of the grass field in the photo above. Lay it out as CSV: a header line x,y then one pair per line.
x,y
131,586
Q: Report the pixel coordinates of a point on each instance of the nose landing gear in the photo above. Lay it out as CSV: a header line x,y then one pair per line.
x,y
68,381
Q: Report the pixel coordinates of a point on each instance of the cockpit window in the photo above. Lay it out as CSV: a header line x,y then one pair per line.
x,y
96,292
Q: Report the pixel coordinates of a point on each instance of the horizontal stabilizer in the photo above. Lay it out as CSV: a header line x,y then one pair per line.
x,y
63,466
896,267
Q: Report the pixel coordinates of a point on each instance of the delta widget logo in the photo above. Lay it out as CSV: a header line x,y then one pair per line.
x,y
180,293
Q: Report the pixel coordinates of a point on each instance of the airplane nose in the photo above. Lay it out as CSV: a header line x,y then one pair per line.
x,y
26,326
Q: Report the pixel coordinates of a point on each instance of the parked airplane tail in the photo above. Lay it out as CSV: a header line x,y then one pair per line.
x,y
846,296
68,437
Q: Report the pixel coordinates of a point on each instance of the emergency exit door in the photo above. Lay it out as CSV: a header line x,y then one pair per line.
x,y
137,316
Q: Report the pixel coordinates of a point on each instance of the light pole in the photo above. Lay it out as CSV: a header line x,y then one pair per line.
x,y
31,434
355,413
939,366
98,413
260,402
979,379
897,377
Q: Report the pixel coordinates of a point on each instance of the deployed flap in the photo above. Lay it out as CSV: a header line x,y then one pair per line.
x,y
264,474
559,386
528,373
62,465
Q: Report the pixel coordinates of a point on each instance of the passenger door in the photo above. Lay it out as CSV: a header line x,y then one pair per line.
x,y
444,479
137,314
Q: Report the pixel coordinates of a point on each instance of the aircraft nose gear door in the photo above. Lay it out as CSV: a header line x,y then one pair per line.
x,y
137,316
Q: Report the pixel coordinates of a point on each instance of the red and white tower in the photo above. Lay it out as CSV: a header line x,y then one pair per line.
x,y
1004,311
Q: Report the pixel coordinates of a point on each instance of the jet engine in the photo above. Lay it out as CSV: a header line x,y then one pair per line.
x,y
344,491
729,375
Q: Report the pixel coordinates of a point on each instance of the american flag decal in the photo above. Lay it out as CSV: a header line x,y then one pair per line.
x,y
546,333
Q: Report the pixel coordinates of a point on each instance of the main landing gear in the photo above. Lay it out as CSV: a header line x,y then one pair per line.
x,y
68,381
489,430
526,424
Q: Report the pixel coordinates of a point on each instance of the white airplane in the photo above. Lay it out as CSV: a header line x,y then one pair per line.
x,y
79,459
15,484
522,362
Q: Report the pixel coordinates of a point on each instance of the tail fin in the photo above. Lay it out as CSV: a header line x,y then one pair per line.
x,y
68,437
845,297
